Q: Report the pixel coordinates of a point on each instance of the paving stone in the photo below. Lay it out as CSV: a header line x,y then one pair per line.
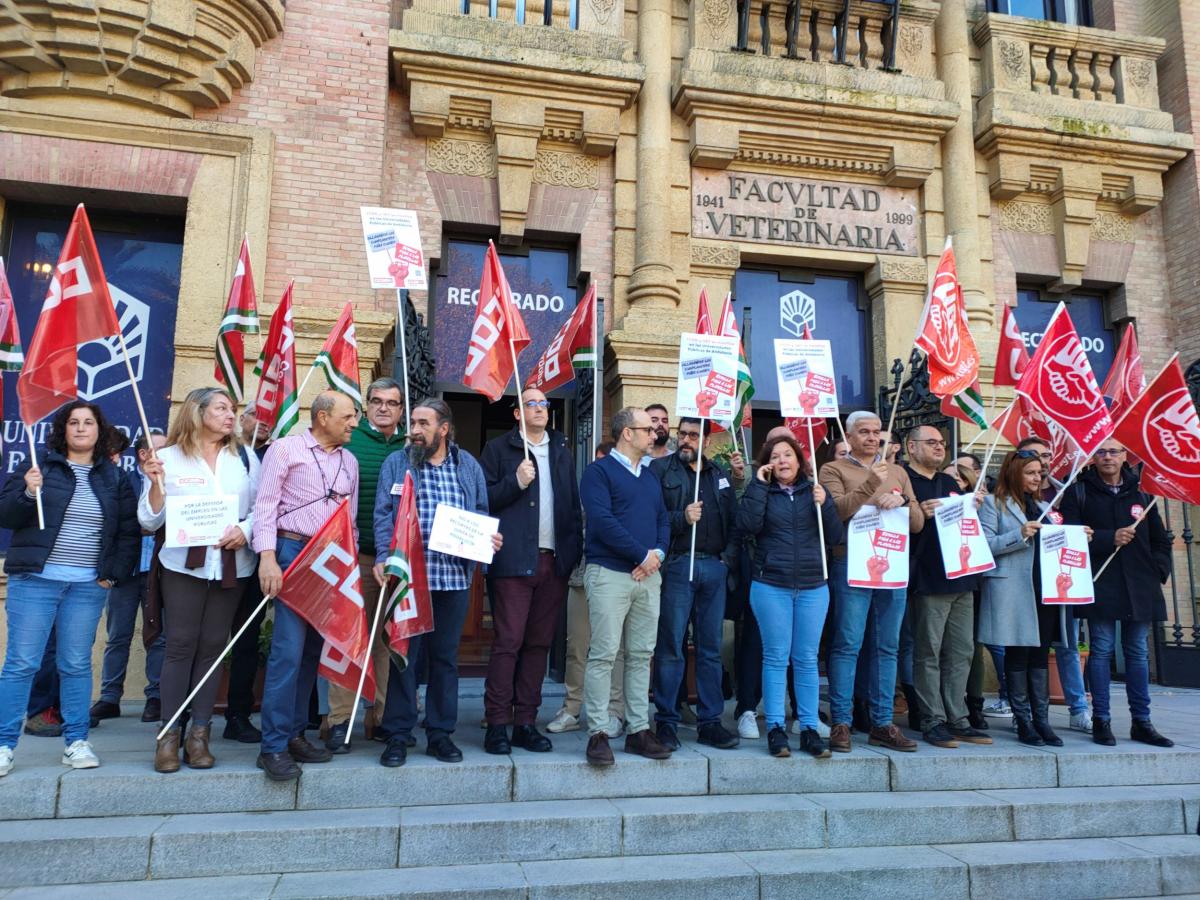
x,y
565,774
897,873
421,781
238,887
1179,856
749,770
1002,765
1087,869
915,817
508,832
135,789
706,876
28,793
1094,811
720,823
1128,764
491,882
255,843
68,851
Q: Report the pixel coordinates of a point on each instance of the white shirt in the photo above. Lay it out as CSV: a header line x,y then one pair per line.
x,y
190,476
541,455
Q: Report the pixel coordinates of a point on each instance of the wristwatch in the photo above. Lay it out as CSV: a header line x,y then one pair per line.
x,y
661,556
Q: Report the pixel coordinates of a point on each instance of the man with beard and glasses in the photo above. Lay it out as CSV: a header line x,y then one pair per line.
x,y
702,596
442,473
660,445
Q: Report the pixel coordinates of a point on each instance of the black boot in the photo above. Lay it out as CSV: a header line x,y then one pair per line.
x,y
1145,732
861,720
1018,698
975,713
1102,733
1039,703
914,708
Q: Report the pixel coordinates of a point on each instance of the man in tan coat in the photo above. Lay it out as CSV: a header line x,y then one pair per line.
x,y
864,479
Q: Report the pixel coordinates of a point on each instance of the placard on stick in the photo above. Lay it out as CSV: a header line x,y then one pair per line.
x,y
964,546
393,242
877,548
1066,566
707,377
807,387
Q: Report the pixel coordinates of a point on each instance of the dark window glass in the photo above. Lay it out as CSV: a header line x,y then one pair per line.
x,y
1072,12
1033,313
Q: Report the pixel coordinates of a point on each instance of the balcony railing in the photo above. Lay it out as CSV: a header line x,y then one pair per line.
x,y
859,33
526,12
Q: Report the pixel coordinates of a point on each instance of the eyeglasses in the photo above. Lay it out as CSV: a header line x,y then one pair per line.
x,y
931,442
537,404
1107,451
689,435
379,401
1028,454
649,429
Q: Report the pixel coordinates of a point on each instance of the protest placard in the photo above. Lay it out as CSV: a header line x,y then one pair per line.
x,y
199,521
807,387
393,242
459,532
964,548
877,548
707,376
1066,566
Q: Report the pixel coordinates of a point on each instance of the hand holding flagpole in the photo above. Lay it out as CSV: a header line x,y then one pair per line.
x,y
812,463
37,494
696,499
1138,521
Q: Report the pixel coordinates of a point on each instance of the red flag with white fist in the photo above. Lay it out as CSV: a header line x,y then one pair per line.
x,y
1011,356
944,336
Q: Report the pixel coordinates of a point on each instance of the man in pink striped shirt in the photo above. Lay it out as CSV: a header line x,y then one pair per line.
x,y
303,479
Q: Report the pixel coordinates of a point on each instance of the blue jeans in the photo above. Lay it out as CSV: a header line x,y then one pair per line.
x,y
850,623
867,668
124,601
1134,647
44,693
1070,672
998,661
34,606
790,622
291,667
706,595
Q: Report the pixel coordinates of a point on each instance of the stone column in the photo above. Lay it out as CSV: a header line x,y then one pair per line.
x,y
652,283
958,158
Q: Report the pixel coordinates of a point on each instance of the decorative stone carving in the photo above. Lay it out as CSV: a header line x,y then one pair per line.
x,y
456,157
716,14
1012,57
167,57
1138,72
894,270
912,40
602,9
574,170
716,256
1026,218
1111,226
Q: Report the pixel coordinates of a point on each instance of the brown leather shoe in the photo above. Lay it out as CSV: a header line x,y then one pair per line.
x,y
646,743
166,755
892,738
598,751
839,738
195,748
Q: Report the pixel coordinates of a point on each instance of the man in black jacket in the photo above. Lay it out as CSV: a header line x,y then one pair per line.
x,y
537,502
703,595
1107,499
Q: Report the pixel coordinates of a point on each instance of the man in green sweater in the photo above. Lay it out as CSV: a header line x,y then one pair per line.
x,y
378,435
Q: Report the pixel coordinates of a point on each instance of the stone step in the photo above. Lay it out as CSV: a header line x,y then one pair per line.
x,y
1070,869
122,848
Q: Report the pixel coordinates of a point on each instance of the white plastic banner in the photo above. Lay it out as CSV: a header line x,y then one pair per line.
x,y
393,242
807,386
965,549
877,548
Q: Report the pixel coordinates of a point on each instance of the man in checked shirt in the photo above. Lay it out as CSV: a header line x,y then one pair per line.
x,y
442,473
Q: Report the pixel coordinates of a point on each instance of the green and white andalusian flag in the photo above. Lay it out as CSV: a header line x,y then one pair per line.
x,y
241,317
728,327
12,357
967,406
339,357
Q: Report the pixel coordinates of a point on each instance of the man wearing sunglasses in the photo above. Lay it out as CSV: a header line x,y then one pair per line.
x,y
537,502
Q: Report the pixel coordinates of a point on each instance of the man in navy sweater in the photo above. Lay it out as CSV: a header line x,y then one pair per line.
x,y
626,540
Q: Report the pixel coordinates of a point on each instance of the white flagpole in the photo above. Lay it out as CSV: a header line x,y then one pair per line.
x,y
362,675
1066,484
37,495
995,439
597,372
696,499
401,303
250,618
137,396
812,462
304,383
842,429
1140,519
520,407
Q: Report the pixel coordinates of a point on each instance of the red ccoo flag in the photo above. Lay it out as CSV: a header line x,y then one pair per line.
x,y
1162,428
571,349
944,335
499,334
1011,356
703,322
1126,378
276,405
338,357
408,609
241,317
322,585
77,309
799,427
337,667
1059,381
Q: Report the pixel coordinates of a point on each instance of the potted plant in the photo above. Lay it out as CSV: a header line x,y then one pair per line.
x,y
1056,691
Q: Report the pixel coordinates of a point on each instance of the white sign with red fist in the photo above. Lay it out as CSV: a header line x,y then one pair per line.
x,y
1066,566
707,386
965,549
393,241
807,387
877,548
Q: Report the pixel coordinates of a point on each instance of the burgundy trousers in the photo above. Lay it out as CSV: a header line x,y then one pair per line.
x,y
525,612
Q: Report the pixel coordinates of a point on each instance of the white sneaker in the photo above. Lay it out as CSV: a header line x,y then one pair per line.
x,y
615,728
1082,722
822,728
6,756
80,756
563,721
747,726
998,709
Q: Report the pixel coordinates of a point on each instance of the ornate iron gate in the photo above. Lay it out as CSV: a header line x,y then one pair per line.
x,y
917,405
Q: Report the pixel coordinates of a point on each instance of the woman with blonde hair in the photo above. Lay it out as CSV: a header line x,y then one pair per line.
x,y
201,585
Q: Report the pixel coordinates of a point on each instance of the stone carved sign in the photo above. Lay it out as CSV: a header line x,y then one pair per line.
x,y
801,212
